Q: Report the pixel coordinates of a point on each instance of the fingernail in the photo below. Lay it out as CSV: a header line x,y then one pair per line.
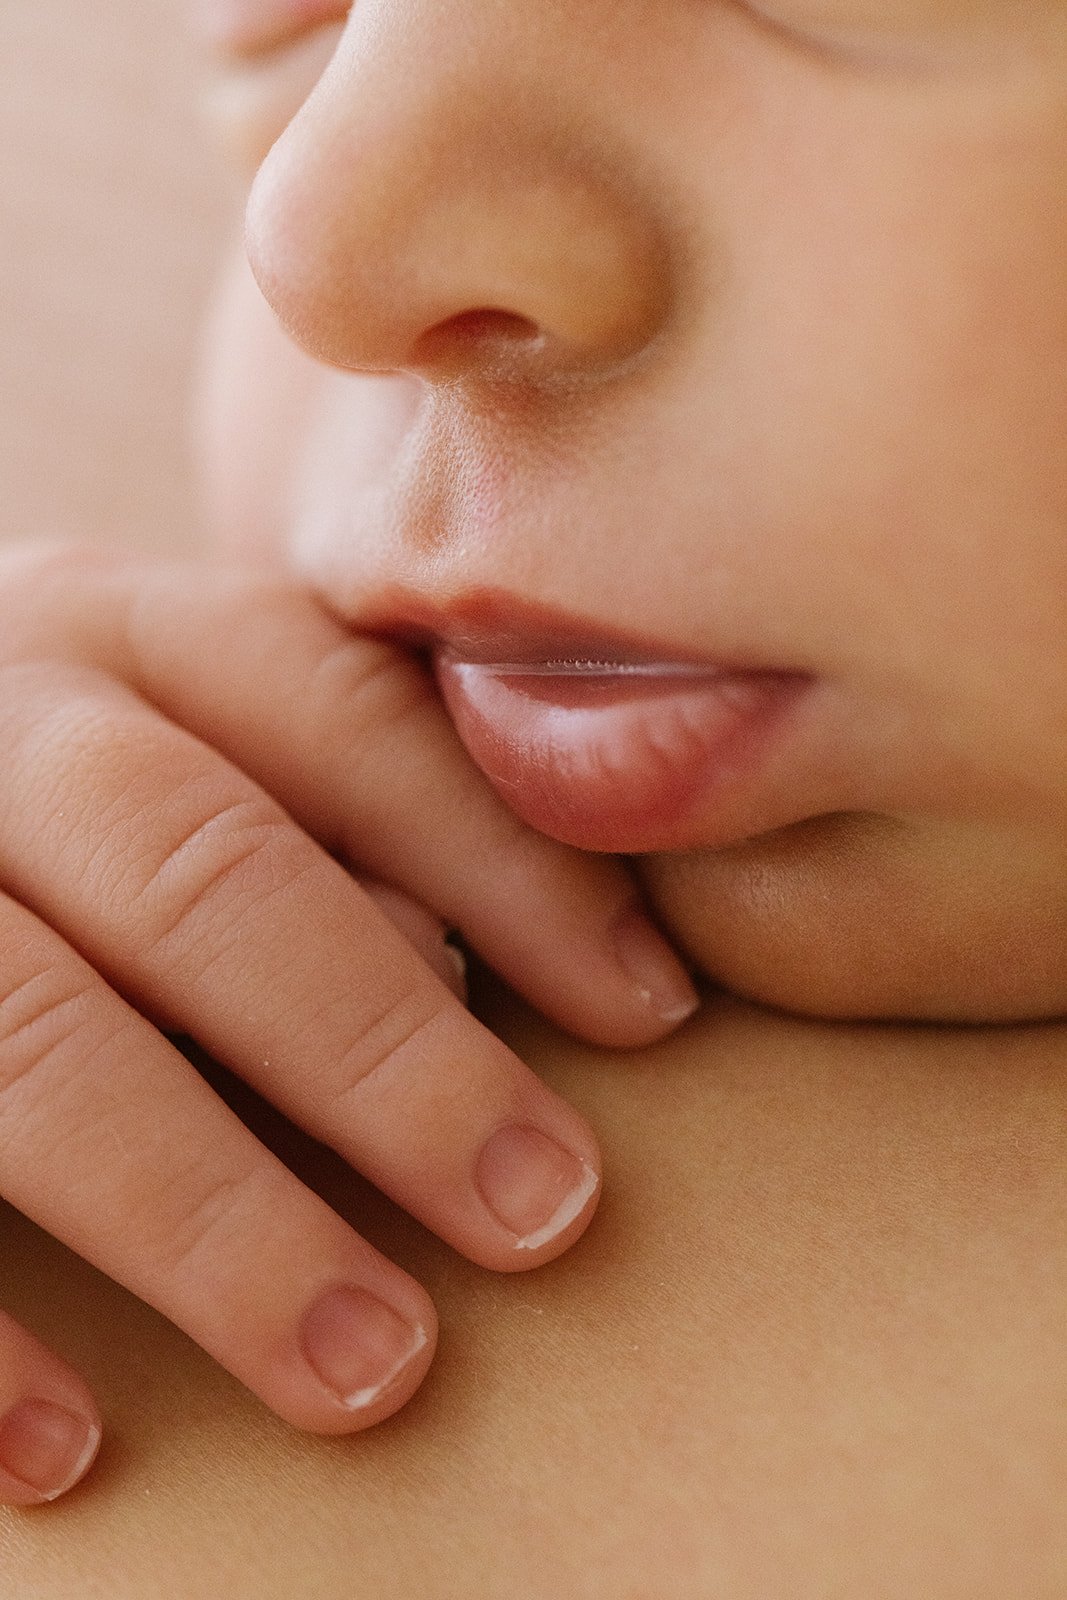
x,y
532,1185
457,980
47,1447
652,966
357,1345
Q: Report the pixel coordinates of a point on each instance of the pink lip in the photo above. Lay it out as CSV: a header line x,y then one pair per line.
x,y
613,756
594,738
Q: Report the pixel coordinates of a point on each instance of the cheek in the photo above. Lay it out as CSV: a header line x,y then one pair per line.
x,y
889,354
864,917
254,396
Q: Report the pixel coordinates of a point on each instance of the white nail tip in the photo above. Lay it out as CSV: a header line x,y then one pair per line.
x,y
458,960
359,1399
81,1466
679,1013
574,1204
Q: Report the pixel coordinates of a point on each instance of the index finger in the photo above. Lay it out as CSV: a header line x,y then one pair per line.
x,y
349,734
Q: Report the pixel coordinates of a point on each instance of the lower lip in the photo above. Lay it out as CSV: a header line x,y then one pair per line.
x,y
618,756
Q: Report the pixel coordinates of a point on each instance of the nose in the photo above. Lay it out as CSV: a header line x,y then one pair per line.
x,y
442,205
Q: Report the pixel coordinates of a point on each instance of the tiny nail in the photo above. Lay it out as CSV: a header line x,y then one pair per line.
x,y
458,962
47,1447
652,966
532,1185
357,1345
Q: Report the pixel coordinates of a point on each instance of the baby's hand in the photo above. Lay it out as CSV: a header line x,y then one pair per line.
x,y
186,751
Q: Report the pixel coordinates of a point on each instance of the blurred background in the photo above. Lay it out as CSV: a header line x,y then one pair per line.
x,y
108,244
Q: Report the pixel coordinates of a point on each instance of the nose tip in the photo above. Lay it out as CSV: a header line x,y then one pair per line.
x,y
410,225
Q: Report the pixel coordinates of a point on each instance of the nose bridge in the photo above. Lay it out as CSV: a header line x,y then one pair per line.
x,y
442,190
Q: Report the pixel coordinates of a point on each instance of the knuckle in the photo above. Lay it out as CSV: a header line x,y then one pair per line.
x,y
390,1044
41,1018
368,689
199,1215
232,857
75,764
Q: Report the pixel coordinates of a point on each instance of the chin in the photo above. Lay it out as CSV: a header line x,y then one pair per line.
x,y
873,918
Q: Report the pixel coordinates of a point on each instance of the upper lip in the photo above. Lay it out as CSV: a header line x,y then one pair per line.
x,y
491,626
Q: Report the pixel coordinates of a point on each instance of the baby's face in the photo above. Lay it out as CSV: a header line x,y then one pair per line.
x,y
727,343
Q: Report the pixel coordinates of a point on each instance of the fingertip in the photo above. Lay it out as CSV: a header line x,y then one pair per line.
x,y
659,981
45,1449
636,990
540,1192
587,955
366,1354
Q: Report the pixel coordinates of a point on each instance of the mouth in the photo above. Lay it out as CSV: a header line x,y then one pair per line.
x,y
601,741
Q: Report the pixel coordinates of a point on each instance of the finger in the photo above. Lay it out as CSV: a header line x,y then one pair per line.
x,y
349,734
201,902
49,1425
112,1141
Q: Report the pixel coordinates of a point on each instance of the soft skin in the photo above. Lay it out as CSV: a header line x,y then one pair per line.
x,y
744,328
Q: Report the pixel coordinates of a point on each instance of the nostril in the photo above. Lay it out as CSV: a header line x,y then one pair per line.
x,y
489,323
484,337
